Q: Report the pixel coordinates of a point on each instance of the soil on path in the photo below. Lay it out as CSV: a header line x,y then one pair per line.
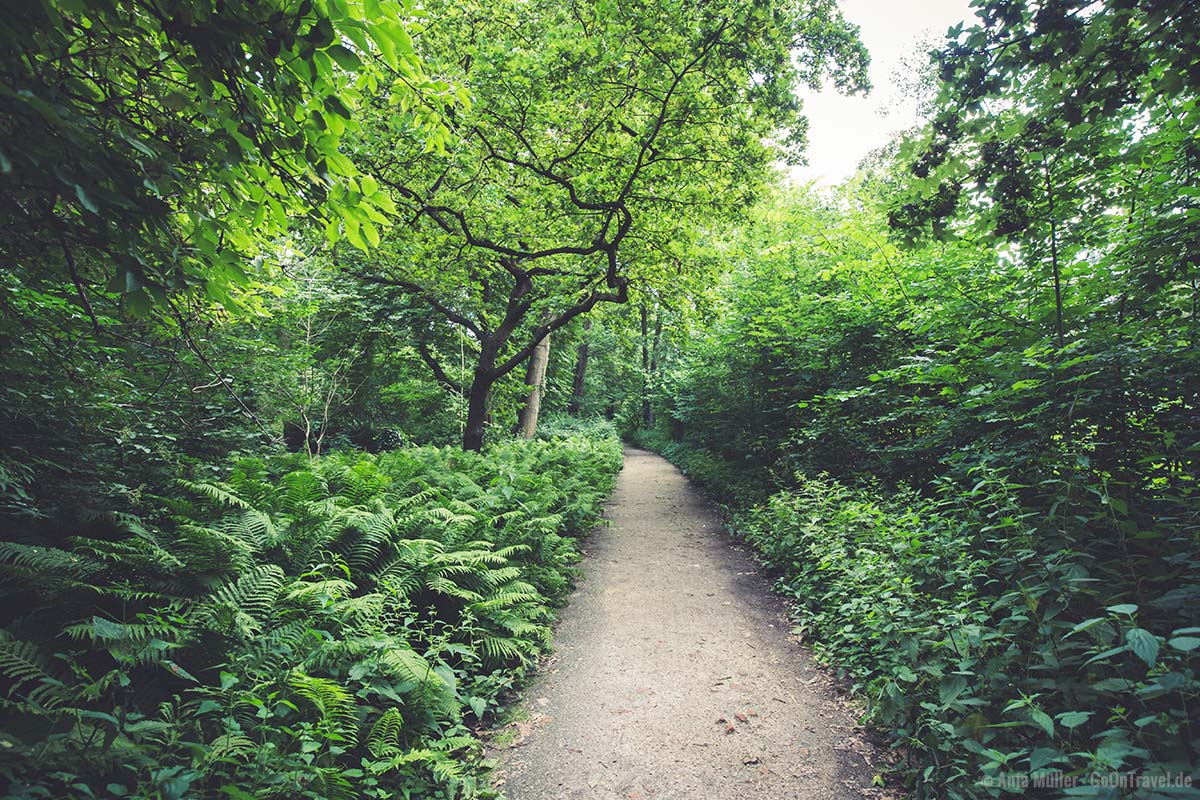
x,y
674,676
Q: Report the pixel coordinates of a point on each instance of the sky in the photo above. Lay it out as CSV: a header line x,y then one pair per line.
x,y
842,130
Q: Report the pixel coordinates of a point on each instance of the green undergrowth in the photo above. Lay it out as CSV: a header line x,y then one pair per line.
x,y
332,628
1006,652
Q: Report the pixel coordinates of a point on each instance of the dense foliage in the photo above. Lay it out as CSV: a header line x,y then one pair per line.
x,y
291,628
995,646
954,401
957,402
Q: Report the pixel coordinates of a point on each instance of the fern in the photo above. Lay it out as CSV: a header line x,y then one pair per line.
x,y
258,630
242,605
206,549
319,592
230,746
216,493
27,672
333,704
384,738
297,490
50,562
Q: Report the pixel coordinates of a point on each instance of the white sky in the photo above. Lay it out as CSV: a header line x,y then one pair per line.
x,y
842,130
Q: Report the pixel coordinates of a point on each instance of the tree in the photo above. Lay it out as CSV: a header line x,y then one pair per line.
x,y
579,373
597,133
535,379
1065,139
150,147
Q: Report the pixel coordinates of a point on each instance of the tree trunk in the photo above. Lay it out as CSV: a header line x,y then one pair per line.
x,y
649,361
577,381
535,379
476,416
647,408
477,398
646,411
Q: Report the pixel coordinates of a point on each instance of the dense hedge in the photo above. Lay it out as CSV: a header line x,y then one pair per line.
x,y
324,629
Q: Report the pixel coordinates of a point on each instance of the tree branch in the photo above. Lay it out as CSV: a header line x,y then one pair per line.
x,y
438,373
437,305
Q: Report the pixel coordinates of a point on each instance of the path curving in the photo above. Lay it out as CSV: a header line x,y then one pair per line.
x,y
674,676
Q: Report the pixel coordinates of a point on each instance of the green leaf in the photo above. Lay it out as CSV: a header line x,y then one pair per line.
x,y
1085,625
1185,643
346,58
107,629
1143,644
1073,719
84,200
179,671
1107,654
950,689
1042,719
1123,608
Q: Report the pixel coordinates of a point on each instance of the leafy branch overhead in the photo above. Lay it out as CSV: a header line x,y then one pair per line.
x,y
155,146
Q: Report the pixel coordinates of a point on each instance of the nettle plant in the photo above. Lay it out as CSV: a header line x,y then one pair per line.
x,y
321,629
988,639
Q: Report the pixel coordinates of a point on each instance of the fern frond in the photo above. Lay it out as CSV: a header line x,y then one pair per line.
x,y
49,561
297,490
473,558
333,703
28,672
514,550
505,599
503,649
500,576
317,592
244,603
206,549
451,743
384,738
230,747
449,588
217,493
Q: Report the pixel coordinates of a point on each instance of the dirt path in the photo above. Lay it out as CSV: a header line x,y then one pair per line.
x,y
674,677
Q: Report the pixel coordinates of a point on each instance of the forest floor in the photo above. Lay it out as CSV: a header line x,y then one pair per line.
x,y
675,676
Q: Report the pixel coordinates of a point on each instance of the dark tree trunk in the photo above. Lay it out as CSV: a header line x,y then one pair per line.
x,y
477,398
577,381
477,402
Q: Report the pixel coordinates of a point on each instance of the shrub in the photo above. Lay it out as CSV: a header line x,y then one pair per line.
x,y
319,629
991,642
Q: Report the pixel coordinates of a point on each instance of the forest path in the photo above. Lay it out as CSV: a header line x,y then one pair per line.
x,y
672,631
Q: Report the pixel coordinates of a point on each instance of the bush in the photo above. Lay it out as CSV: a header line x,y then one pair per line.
x,y
297,629
991,642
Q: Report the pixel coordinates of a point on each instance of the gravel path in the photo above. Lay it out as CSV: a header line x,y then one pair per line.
x,y
674,676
